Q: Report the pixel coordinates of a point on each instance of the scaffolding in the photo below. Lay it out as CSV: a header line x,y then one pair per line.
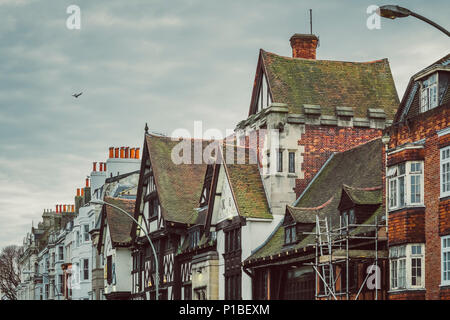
x,y
333,248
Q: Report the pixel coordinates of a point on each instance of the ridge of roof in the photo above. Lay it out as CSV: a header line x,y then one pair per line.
x,y
330,84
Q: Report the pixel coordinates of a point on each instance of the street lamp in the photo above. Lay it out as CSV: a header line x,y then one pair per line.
x,y
146,234
392,12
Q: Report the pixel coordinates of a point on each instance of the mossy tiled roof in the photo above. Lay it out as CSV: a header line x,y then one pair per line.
x,y
360,167
302,215
364,196
119,224
248,190
330,84
179,185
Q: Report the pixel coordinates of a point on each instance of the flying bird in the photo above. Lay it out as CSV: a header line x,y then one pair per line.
x,y
76,95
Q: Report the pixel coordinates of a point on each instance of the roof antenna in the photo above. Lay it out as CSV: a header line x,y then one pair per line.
x,y
310,20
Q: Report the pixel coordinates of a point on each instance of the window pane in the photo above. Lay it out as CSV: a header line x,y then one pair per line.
x,y
401,191
415,189
280,161
291,162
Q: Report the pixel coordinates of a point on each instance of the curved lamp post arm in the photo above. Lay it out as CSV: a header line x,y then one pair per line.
x,y
146,234
434,24
393,12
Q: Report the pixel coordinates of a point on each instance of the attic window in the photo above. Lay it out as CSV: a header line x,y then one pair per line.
x,y
429,93
290,234
348,218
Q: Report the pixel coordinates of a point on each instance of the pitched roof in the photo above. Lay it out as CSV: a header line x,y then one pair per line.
x,y
179,185
247,186
410,104
119,224
360,167
364,196
359,85
302,215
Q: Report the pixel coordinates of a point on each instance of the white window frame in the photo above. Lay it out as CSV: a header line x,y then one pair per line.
x,y
444,156
398,179
86,233
401,266
445,252
429,92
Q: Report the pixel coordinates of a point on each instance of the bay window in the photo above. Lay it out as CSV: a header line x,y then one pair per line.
x,y
445,248
405,184
445,171
407,266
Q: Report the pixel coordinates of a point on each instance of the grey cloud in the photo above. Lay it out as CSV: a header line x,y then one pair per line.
x,y
167,63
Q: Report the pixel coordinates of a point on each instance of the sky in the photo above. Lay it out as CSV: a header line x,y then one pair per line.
x,y
168,63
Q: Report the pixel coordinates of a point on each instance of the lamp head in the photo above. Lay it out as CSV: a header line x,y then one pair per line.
x,y
392,12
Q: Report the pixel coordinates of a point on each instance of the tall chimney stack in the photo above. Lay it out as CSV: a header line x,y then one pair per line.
x,y
304,46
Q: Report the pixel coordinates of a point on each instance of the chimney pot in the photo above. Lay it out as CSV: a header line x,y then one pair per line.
x,y
101,166
111,152
126,152
73,208
104,166
82,192
57,209
116,153
94,166
78,192
87,182
137,153
304,46
64,207
122,152
132,153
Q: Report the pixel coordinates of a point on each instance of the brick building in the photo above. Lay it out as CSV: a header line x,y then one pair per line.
x,y
418,197
310,109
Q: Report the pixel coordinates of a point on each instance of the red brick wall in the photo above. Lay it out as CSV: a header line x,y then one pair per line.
x,y
407,226
444,217
424,126
445,294
321,141
407,295
406,155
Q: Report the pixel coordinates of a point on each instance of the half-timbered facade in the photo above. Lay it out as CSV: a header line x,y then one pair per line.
x,y
167,196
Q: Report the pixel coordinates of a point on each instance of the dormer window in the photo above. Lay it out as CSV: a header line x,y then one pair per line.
x,y
348,216
429,93
290,234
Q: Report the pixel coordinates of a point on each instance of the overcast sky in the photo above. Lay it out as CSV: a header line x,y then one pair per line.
x,y
167,63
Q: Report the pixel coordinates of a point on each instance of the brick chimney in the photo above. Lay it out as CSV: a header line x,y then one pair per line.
x,y
304,46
